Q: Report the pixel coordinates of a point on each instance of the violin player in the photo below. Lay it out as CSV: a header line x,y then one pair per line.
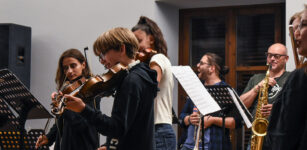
x,y
71,131
150,36
132,121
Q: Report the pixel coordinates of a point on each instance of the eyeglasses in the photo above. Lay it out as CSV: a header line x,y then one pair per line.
x,y
302,24
276,56
101,57
202,63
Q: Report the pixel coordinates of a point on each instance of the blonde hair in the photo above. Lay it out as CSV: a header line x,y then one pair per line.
x,y
296,15
114,39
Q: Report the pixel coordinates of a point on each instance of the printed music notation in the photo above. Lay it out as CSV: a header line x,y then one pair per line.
x,y
195,89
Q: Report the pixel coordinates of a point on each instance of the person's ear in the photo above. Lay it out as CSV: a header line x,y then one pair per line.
x,y
151,40
287,58
83,65
123,49
212,68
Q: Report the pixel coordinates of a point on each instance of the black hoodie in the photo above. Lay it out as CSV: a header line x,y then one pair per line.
x,y
73,132
132,119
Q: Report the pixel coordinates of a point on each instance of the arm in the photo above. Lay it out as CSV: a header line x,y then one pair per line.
x,y
47,139
185,113
251,92
124,110
249,97
51,136
218,121
157,68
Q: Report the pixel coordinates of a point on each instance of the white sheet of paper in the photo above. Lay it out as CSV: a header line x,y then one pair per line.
x,y
236,101
195,89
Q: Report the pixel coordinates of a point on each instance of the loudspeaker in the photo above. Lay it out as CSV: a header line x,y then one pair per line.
x,y
15,50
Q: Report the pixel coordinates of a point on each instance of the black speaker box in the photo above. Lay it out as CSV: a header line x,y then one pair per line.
x,y
15,50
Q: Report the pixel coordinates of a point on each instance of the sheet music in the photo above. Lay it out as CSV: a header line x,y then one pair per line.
x,y
236,101
195,89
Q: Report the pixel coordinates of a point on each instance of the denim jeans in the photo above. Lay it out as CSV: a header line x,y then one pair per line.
x,y
248,147
185,148
165,137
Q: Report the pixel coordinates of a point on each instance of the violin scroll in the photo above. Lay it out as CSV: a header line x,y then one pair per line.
x,y
145,55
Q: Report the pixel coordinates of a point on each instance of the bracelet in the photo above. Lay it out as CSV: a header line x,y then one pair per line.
x,y
189,120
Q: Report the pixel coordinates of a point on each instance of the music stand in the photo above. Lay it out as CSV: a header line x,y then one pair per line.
x,y
14,93
230,103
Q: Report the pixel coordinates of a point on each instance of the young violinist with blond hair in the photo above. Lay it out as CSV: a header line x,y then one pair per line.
x,y
71,131
131,124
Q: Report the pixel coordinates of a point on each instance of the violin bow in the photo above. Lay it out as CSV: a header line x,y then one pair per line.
x,y
86,60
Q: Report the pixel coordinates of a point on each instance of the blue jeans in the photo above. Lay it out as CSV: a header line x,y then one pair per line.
x,y
185,148
165,137
248,147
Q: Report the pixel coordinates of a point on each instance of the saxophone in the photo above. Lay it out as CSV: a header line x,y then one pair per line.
x,y
260,123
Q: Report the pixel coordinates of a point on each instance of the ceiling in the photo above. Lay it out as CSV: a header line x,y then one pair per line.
x,y
184,4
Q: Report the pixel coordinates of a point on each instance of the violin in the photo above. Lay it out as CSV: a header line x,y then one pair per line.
x,y
103,85
145,55
59,104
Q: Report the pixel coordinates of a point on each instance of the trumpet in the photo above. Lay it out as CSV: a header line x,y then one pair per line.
x,y
196,147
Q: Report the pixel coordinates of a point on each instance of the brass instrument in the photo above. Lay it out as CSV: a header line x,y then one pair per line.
x,y
196,139
260,123
294,46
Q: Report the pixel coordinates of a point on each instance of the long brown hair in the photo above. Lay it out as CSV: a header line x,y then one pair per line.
x,y
151,28
304,64
60,75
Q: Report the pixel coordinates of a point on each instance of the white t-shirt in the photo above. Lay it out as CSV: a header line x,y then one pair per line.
x,y
164,100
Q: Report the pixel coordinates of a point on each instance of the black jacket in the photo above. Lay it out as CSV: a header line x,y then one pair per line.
x,y
132,119
288,125
73,132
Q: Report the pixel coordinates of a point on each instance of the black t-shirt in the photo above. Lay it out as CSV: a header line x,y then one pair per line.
x,y
272,91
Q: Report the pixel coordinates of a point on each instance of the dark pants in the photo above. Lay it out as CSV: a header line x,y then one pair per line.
x,y
165,137
185,148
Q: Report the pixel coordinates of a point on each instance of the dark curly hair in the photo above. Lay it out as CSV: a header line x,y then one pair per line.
x,y
151,28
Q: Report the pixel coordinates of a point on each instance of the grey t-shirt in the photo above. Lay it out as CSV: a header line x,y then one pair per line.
x,y
272,91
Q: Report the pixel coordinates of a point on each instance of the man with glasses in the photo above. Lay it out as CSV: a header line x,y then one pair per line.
x,y
277,58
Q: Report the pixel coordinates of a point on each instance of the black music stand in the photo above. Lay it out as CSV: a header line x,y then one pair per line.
x,y
221,94
14,95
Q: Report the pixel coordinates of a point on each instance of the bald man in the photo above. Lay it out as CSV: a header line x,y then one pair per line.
x,y
277,57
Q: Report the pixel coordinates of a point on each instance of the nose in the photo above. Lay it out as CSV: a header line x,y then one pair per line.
x,y
296,34
102,61
69,70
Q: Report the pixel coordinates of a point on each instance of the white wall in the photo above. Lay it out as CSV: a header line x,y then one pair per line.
x,y
58,25
292,7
